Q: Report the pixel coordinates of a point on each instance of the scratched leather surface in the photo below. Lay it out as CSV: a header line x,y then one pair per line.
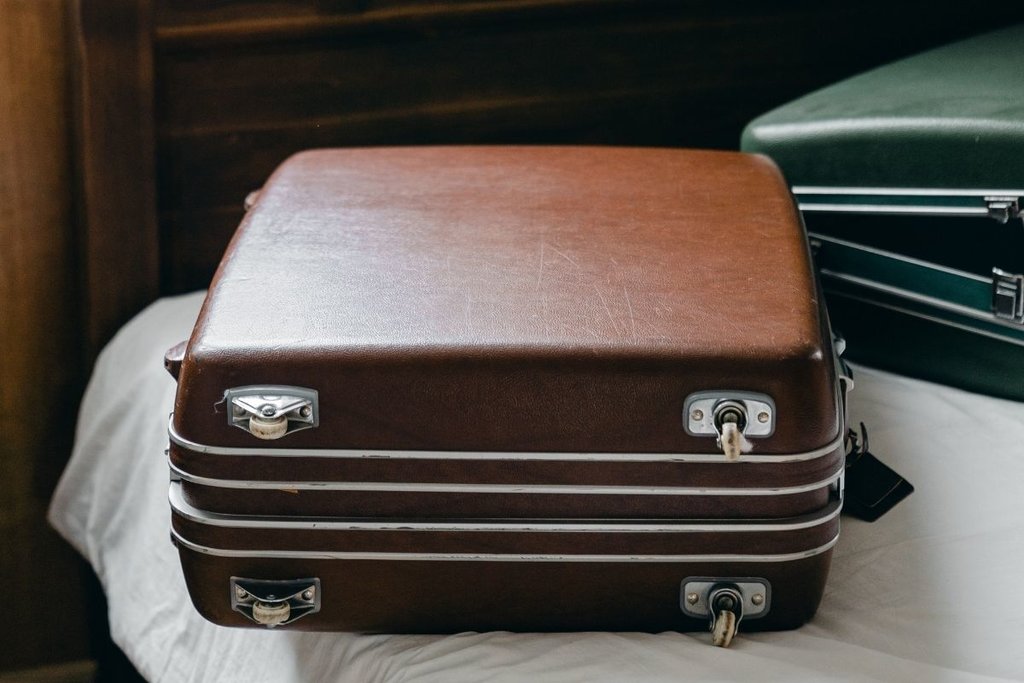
x,y
511,298
950,117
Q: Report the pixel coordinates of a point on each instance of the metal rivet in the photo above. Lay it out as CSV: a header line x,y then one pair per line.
x,y
692,598
268,411
241,593
305,411
763,416
697,415
757,599
307,594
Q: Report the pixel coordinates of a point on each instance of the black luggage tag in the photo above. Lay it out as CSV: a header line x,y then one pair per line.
x,y
872,487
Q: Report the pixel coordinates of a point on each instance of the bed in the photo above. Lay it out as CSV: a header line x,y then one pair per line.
x,y
929,592
183,107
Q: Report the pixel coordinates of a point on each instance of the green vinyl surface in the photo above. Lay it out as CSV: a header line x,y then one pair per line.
x,y
918,319
893,339
952,117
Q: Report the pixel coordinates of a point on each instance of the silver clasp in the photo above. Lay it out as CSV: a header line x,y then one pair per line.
x,y
275,603
1003,209
270,412
1008,295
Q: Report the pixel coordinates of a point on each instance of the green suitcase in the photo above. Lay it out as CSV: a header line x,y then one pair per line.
x,y
911,180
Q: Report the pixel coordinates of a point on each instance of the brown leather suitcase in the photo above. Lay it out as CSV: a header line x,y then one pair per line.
x,y
521,388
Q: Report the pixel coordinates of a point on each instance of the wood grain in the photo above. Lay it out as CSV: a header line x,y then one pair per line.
x,y
114,140
39,370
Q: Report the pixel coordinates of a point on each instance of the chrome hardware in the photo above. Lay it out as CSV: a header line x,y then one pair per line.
x,y
275,603
1003,209
1008,295
725,602
1001,205
270,412
731,417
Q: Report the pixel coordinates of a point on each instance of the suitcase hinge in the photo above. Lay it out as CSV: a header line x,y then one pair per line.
x,y
1008,295
275,603
270,412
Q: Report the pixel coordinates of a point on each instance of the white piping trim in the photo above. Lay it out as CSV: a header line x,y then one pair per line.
x,y
183,509
894,210
492,557
903,191
430,487
713,458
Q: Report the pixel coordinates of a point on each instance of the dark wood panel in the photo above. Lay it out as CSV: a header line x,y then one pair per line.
x,y
231,107
40,372
114,115
299,84
235,22
193,16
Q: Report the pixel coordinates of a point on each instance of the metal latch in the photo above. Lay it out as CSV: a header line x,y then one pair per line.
x,y
1003,209
275,603
724,602
731,417
270,412
1008,295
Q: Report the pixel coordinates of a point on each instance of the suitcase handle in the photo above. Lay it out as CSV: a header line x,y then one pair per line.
x,y
173,358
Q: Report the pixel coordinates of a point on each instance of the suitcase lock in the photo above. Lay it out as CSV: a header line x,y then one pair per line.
x,y
275,603
731,417
270,412
725,602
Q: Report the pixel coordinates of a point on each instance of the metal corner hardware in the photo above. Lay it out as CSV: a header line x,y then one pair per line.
x,y
1003,208
1008,295
275,603
270,412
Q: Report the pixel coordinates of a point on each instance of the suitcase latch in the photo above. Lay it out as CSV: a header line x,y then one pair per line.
x,y
731,417
1003,209
1008,295
270,412
724,602
275,603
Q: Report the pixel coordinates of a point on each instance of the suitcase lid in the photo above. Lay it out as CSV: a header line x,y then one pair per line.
x,y
509,299
950,118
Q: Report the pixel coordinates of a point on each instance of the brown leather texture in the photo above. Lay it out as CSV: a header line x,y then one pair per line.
x,y
520,504
515,299
449,597
368,594
466,469
550,542
276,498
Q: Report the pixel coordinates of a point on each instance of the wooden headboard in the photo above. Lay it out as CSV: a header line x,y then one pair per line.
x,y
187,105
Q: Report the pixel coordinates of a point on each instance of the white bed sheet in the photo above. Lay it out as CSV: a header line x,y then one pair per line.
x,y
934,591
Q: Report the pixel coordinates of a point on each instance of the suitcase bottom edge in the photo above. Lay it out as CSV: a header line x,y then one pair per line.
x,y
418,596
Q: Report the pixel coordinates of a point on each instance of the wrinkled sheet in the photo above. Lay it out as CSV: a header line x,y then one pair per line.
x,y
931,592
